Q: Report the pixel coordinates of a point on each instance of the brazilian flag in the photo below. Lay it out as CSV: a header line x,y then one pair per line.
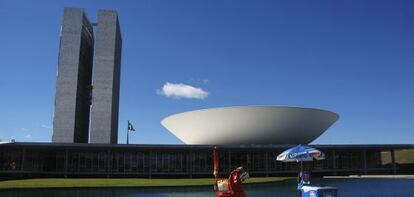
x,y
130,127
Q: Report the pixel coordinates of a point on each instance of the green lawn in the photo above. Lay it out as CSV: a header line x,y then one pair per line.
x,y
113,182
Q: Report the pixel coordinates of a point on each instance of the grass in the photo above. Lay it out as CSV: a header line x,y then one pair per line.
x,y
114,182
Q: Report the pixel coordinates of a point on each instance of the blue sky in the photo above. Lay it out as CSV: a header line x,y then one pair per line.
x,y
355,58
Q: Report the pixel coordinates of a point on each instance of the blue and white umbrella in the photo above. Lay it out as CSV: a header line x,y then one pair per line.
x,y
300,153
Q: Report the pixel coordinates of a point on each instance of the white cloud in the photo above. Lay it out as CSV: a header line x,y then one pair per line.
x,y
205,81
180,90
28,136
46,126
23,129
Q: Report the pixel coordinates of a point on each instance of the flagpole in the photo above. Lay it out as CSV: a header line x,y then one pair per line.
x,y
130,128
128,133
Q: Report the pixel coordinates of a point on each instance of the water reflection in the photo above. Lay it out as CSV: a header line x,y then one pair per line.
x,y
346,187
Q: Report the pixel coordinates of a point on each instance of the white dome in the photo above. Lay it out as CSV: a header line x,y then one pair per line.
x,y
250,125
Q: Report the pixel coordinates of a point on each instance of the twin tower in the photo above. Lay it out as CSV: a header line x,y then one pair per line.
x,y
88,79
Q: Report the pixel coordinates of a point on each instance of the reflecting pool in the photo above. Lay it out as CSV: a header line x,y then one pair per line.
x,y
346,187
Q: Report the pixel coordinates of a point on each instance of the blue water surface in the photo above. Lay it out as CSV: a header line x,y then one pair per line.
x,y
346,187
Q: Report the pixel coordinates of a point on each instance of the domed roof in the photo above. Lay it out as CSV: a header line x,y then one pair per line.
x,y
250,125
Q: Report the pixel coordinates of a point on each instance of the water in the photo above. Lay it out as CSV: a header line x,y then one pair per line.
x,y
346,187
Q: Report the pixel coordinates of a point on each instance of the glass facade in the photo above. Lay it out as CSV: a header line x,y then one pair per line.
x,y
40,160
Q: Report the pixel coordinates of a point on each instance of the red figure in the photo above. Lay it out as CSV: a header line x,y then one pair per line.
x,y
231,187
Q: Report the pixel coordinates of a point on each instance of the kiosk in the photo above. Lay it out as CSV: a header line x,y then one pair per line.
x,y
305,188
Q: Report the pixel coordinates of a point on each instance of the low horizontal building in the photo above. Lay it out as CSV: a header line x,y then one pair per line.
x,y
155,161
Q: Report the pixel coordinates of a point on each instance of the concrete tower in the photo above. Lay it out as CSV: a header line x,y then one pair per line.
x,y
73,85
106,79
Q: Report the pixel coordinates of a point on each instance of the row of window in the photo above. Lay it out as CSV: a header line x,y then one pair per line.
x,y
176,162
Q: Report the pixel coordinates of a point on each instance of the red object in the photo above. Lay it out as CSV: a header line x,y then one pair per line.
x,y
216,158
235,187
